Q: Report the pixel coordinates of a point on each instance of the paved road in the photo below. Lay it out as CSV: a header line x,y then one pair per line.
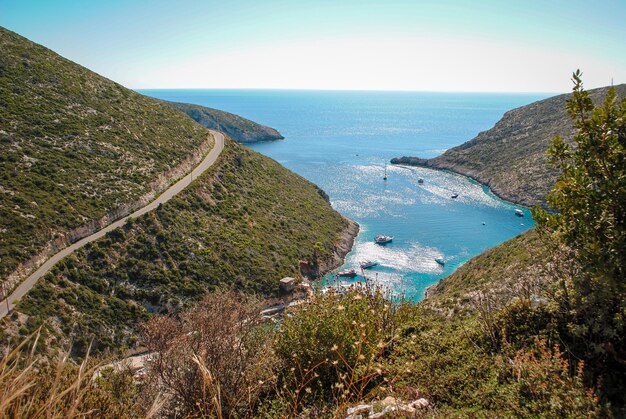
x,y
25,286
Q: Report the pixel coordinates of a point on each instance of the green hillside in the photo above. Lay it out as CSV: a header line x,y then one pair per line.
x,y
501,271
511,157
245,223
239,129
75,147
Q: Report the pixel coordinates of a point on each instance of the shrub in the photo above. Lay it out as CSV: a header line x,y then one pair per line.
x,y
214,359
544,387
590,219
330,347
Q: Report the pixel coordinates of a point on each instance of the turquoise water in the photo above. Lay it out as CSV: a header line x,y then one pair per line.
x,y
342,140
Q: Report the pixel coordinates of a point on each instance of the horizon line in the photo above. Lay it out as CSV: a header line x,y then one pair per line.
x,y
355,90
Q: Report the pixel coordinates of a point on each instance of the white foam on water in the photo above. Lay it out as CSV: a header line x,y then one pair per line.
x,y
380,201
389,280
417,258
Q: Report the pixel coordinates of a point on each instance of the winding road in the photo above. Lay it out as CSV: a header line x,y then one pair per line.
x,y
26,285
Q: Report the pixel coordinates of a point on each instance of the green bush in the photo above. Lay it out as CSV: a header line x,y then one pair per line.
x,y
589,200
331,347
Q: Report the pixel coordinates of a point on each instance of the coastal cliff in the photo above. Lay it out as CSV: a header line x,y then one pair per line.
x,y
236,127
511,157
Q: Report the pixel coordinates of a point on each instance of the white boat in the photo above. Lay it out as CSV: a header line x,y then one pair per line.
x,y
366,264
350,273
420,181
455,196
519,212
440,261
382,239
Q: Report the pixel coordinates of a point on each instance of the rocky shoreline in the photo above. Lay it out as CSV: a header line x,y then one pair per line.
x,y
298,291
342,247
315,269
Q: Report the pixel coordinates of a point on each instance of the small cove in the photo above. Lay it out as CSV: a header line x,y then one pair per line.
x,y
342,141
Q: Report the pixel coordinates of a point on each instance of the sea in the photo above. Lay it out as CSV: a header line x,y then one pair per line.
x,y
343,142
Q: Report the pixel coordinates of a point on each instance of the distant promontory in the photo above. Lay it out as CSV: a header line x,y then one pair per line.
x,y
511,157
238,128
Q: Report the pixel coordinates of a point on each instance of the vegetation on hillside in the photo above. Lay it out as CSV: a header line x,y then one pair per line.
x,y
214,360
590,219
517,267
32,386
341,349
74,146
245,223
563,285
532,328
236,127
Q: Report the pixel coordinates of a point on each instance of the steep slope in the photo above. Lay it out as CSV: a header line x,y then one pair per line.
x,y
77,149
511,157
245,223
239,129
501,272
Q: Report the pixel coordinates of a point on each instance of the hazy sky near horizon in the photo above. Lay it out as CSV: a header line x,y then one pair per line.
x,y
439,45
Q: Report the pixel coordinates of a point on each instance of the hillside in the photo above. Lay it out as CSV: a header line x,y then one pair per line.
x,y
501,272
511,157
239,129
77,149
245,224
80,150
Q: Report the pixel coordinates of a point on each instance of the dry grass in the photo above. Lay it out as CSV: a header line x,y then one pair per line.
x,y
34,386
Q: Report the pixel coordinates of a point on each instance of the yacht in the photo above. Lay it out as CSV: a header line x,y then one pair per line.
x,y
350,273
382,239
366,264
519,212
420,181
455,196
440,261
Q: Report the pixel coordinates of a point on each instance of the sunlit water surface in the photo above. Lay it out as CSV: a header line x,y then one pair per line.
x,y
342,140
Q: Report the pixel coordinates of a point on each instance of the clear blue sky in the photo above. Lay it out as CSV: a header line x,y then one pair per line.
x,y
440,45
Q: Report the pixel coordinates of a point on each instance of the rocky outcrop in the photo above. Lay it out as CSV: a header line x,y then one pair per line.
x,y
322,265
511,157
236,127
388,407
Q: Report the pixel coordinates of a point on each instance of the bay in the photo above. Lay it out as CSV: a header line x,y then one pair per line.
x,y
343,140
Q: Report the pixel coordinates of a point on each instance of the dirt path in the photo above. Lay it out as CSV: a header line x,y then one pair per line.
x,y
25,286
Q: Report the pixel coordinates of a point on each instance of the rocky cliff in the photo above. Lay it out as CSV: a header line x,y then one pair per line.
x,y
238,128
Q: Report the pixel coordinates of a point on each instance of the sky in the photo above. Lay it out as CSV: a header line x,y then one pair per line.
x,y
439,45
